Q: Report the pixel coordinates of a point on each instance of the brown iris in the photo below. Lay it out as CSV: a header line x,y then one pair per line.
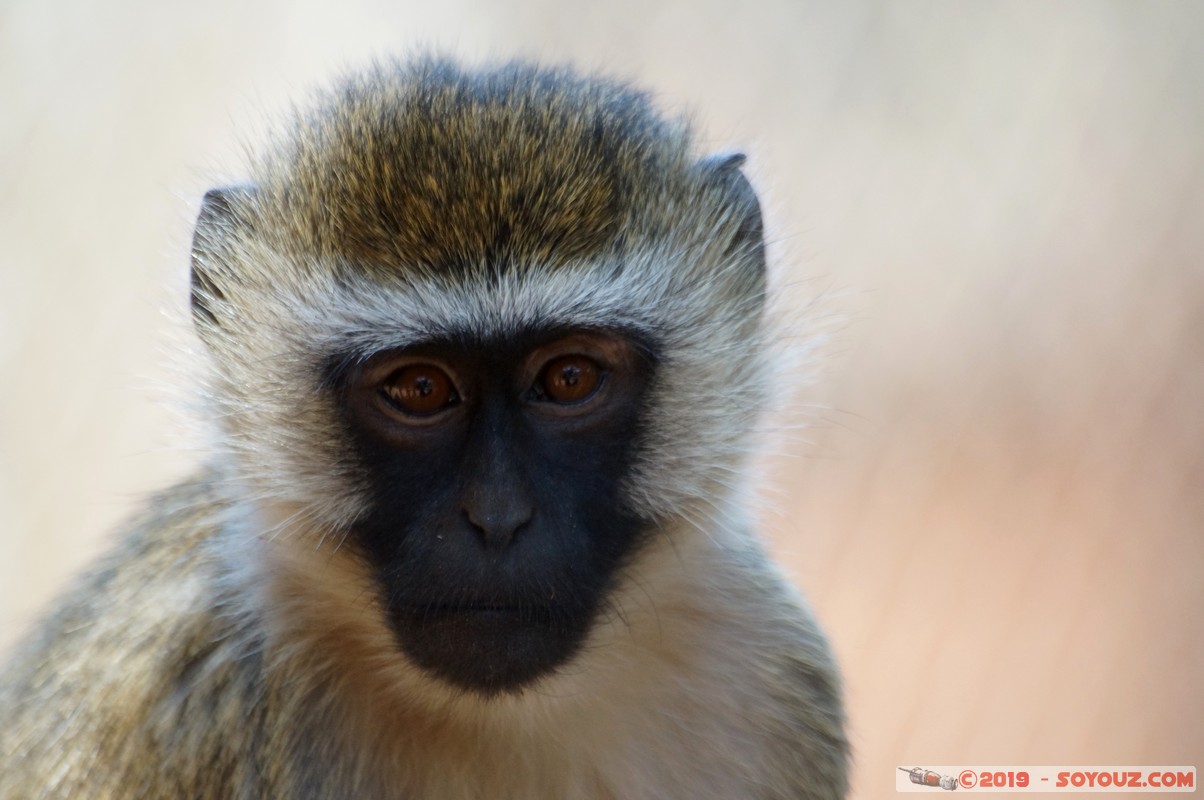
x,y
570,379
420,390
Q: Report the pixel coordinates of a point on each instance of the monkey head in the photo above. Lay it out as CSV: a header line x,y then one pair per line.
x,y
493,332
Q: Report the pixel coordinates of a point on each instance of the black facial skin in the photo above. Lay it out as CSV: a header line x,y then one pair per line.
x,y
496,523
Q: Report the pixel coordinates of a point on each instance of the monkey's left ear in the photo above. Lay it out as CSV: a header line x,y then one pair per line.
x,y
722,172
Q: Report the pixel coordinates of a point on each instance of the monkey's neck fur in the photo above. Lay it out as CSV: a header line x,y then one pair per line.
x,y
303,692
666,669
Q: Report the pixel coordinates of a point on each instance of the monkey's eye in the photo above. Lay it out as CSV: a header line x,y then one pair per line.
x,y
420,390
569,379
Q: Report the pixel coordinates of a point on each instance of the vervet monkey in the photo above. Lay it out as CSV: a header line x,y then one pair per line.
x,y
486,350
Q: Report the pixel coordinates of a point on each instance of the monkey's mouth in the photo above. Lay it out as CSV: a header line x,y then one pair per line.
x,y
521,612
491,646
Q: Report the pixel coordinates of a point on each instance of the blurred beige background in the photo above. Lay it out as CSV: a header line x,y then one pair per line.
x,y
998,509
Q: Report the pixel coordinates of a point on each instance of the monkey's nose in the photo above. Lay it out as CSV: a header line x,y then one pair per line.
x,y
498,515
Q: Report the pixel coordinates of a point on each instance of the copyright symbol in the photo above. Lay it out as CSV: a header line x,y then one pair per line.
x,y
967,778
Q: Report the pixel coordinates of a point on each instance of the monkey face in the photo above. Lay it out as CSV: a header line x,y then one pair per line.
x,y
496,519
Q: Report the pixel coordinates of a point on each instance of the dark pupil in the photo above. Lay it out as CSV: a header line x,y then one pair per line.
x,y
424,385
570,375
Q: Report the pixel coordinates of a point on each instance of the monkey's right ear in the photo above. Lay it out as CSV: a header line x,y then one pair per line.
x,y
222,211
748,235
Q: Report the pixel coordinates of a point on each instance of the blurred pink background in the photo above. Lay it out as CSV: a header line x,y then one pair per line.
x,y
993,489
